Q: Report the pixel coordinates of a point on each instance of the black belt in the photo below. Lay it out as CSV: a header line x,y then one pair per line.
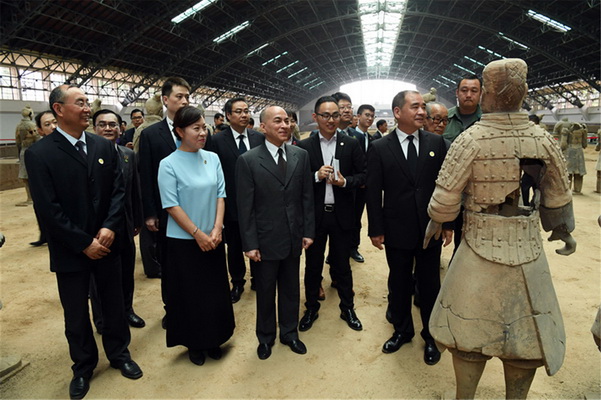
x,y
328,207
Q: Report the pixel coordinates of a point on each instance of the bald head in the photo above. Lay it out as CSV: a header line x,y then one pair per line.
x,y
275,122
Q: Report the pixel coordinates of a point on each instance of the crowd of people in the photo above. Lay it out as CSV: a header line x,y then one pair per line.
x,y
204,198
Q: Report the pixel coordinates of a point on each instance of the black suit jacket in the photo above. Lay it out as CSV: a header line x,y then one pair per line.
x,y
275,213
74,199
156,143
352,167
225,146
128,136
133,197
403,216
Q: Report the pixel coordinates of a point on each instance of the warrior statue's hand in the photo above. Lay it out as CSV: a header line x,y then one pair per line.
x,y
570,243
433,229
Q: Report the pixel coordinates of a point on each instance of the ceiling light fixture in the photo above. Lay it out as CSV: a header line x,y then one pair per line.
x,y
258,49
558,26
201,5
274,58
494,53
231,32
518,44
464,69
474,61
287,66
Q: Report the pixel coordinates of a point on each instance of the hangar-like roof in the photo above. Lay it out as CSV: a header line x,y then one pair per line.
x,y
294,50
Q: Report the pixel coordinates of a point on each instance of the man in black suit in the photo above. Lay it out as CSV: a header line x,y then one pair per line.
x,y
337,169
382,128
276,221
402,167
106,124
137,119
229,144
157,142
77,189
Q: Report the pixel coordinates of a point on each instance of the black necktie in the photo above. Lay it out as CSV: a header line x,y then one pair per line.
x,y
281,163
79,144
411,155
242,147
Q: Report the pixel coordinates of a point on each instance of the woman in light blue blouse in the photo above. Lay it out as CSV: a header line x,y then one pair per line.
x,y
192,187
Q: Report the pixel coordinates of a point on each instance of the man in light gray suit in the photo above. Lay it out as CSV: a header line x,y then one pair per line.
x,y
276,216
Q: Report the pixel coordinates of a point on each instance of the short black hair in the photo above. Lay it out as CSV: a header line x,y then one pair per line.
x,y
184,117
135,110
227,108
399,99
251,121
324,99
342,96
105,111
58,95
38,117
363,107
167,87
218,115
380,123
292,115
532,117
469,77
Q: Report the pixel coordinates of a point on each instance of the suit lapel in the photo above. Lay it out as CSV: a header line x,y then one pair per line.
x,y
423,156
231,142
63,144
166,135
317,150
292,162
399,156
269,164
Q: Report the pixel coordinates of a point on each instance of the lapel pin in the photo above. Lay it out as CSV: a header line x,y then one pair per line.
x,y
205,161
431,154
100,161
126,159
342,143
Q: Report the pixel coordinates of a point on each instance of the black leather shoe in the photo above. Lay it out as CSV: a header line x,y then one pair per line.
x,y
236,293
296,346
164,322
351,319
38,243
215,353
79,387
135,321
431,353
264,351
196,356
395,343
307,320
355,255
129,369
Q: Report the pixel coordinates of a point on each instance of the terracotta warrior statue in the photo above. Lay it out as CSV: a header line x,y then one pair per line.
x,y
94,106
26,134
563,124
497,299
430,96
154,114
572,143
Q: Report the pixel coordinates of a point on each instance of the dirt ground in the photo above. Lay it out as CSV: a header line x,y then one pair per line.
x,y
340,363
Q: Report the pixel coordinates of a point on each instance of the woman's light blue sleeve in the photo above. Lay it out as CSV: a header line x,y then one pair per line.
x,y
167,184
220,180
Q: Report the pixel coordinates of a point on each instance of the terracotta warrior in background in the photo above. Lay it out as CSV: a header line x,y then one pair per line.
x,y
154,114
559,126
497,299
572,143
25,135
430,96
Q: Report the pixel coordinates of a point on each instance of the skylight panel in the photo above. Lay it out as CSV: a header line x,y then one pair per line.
x,y
464,69
287,66
201,5
274,58
441,83
380,24
474,61
258,49
231,32
515,42
297,72
494,53
551,23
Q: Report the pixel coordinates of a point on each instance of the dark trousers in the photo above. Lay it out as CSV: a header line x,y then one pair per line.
x,y
73,289
128,262
359,207
457,231
284,274
235,255
400,283
340,267
148,250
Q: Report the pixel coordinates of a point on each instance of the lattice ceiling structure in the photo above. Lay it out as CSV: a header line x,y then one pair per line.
x,y
291,51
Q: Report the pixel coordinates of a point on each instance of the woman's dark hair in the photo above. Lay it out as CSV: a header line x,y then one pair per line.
x,y
184,117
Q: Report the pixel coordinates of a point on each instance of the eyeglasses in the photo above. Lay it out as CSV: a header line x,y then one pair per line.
x,y
139,117
103,125
438,120
368,115
78,103
327,116
349,107
240,111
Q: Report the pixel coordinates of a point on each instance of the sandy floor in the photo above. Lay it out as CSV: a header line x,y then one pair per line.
x,y
340,363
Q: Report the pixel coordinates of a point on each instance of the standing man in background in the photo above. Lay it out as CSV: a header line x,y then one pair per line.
x,y
137,119
382,128
157,142
78,195
230,144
